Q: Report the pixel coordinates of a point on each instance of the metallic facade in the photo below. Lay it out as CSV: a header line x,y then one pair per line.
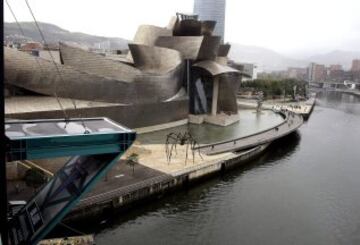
x,y
143,87
80,79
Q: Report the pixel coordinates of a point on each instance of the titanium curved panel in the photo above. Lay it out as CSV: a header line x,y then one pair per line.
x,y
188,46
222,60
155,59
228,87
207,27
172,23
120,58
188,27
96,64
214,68
209,48
40,76
147,34
224,50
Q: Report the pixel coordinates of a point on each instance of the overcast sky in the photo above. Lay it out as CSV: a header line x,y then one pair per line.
x,y
286,26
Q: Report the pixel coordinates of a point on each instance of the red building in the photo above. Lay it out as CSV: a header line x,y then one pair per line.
x,y
316,72
335,67
30,46
336,73
355,65
355,70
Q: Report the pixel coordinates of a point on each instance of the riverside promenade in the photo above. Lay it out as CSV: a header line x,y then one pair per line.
x,y
148,182
155,176
303,108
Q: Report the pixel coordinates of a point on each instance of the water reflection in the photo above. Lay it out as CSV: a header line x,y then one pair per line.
x,y
199,198
249,123
280,149
339,101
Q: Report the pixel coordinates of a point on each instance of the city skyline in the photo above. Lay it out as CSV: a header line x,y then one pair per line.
x,y
292,29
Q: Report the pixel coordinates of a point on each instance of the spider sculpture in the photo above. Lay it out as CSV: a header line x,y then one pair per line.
x,y
174,139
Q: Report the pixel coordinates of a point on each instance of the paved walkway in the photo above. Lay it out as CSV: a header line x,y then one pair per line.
x,y
156,159
121,175
303,107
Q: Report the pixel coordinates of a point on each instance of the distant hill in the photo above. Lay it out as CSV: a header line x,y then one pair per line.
x,y
265,59
54,34
341,57
269,60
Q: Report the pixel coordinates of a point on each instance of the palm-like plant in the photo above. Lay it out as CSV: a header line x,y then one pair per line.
x,y
132,160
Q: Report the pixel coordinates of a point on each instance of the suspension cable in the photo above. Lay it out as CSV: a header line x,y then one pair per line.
x,y
20,28
37,61
56,66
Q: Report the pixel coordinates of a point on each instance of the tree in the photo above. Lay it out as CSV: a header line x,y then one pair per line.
x,y
34,178
273,88
132,160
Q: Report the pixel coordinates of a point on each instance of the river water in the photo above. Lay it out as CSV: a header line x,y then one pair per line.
x,y
304,190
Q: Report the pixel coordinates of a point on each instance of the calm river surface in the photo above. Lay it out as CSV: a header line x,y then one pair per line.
x,y
304,190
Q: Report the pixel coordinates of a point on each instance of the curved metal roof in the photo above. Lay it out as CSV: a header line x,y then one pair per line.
x,y
224,50
39,75
153,59
207,27
188,46
215,68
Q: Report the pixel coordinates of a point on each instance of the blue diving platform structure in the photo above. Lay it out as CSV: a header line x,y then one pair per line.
x,y
94,145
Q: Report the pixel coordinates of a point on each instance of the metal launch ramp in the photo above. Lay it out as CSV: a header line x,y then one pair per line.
x,y
94,145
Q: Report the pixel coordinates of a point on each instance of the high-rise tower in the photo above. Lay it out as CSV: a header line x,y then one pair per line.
x,y
212,10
